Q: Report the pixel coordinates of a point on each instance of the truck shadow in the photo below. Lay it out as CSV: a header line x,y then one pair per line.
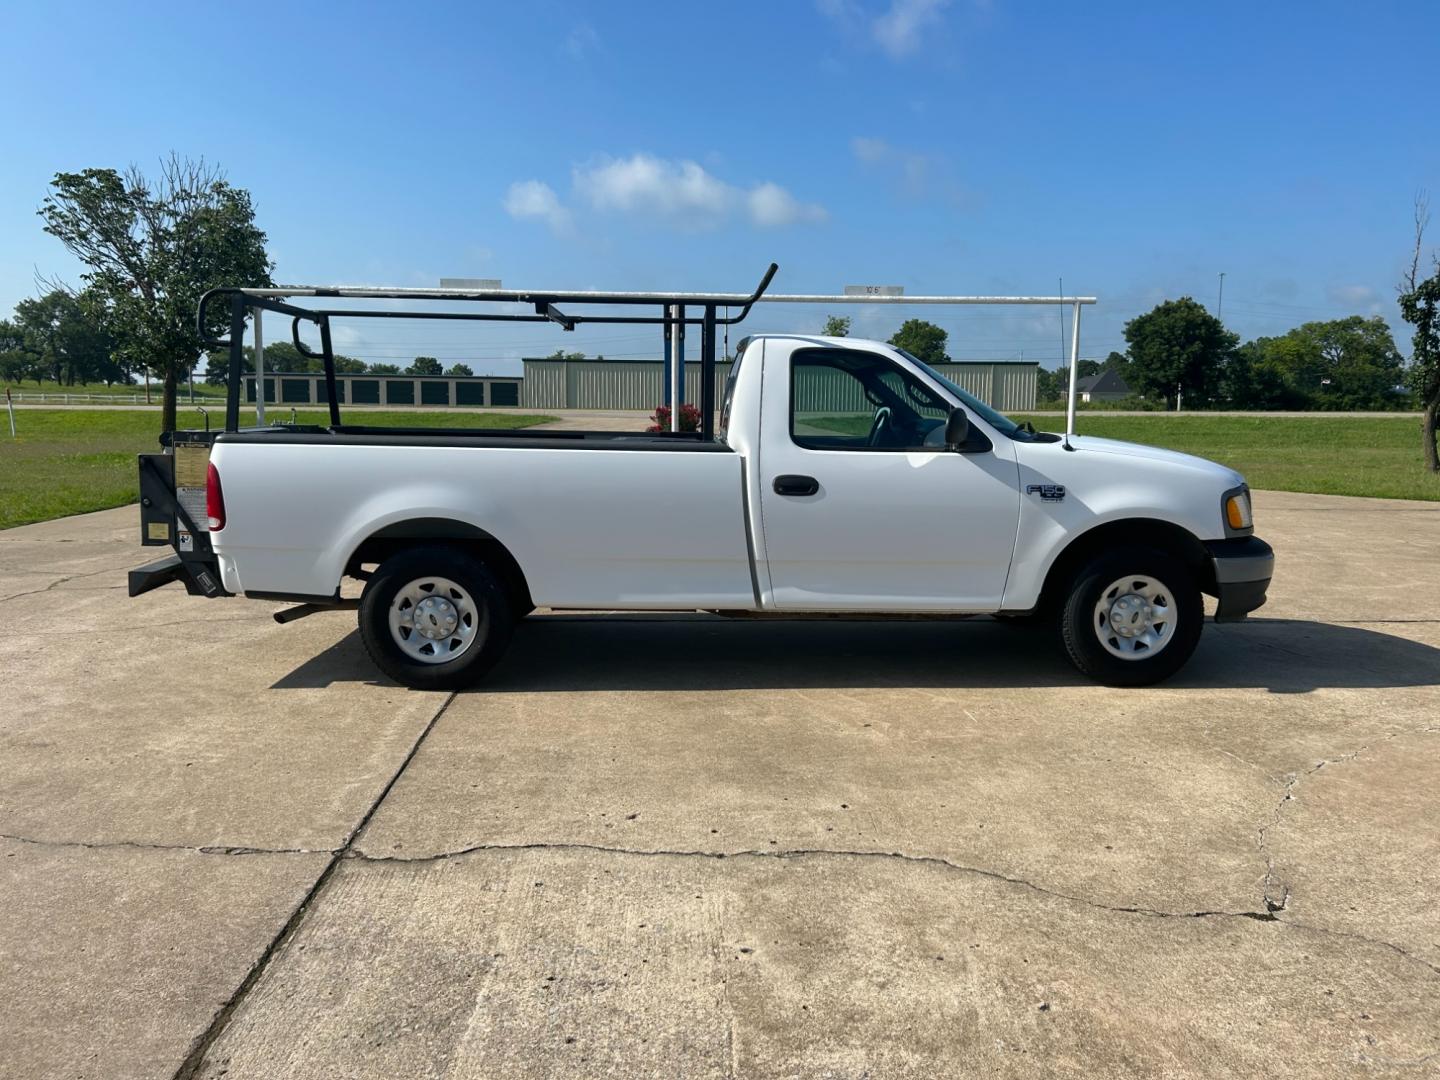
x,y
580,652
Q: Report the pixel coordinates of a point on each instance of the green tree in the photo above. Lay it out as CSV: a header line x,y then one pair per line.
x,y
836,326
384,369
1117,362
922,340
459,369
17,363
561,354
280,358
1420,307
1347,363
425,365
1178,349
152,248
68,338
1254,378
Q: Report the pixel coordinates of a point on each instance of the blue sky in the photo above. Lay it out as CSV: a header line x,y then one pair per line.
x,y
1136,150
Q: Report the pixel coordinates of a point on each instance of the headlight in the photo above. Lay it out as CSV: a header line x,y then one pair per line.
x,y
1237,510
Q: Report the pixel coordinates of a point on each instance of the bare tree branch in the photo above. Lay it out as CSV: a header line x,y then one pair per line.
x,y
1422,219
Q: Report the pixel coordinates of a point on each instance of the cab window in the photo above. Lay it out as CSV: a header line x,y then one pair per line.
x,y
843,400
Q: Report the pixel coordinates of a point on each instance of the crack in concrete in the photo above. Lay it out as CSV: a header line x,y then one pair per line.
x,y
1266,916
142,845
1287,794
360,855
61,581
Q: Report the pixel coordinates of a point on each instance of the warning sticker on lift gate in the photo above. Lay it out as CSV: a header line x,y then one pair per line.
x,y
184,541
191,464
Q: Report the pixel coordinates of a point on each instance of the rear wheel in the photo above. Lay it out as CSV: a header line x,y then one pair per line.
x,y
434,618
1132,617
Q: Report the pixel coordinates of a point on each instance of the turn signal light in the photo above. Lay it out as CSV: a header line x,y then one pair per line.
x,y
214,500
1237,511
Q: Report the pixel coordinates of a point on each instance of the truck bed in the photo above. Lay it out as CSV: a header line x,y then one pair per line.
x,y
361,435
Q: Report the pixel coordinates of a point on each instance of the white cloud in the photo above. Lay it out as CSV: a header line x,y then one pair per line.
x,y
682,193
771,206
917,175
899,30
581,41
870,151
1353,295
535,199
679,189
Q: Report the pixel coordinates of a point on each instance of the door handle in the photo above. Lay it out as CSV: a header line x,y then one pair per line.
x,y
791,484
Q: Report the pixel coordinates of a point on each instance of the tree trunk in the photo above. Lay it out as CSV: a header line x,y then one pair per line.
x,y
167,408
1427,426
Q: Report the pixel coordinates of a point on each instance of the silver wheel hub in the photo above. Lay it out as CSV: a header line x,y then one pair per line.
x,y
433,620
1135,617
435,617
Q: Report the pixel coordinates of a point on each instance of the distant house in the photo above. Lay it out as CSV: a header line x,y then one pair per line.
x,y
1107,386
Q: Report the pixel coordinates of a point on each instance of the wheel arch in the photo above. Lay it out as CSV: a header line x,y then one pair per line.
x,y
412,532
1127,532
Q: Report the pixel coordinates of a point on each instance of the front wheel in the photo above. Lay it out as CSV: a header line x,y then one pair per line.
x,y
1132,617
433,618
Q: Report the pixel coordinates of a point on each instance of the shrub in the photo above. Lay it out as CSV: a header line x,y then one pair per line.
x,y
689,418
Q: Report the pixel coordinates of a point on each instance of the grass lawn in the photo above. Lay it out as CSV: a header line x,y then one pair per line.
x,y
72,461
1334,455
1350,455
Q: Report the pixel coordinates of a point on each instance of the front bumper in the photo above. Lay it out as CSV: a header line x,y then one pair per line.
x,y
1243,569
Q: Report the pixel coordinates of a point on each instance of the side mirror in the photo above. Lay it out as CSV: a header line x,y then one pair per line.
x,y
957,429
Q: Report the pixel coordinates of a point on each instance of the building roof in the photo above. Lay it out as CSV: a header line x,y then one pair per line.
x,y
1107,382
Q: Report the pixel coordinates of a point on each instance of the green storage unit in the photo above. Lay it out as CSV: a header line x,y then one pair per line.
x,y
434,392
365,391
504,393
400,392
295,391
469,393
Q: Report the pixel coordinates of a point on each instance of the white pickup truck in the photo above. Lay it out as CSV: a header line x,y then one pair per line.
x,y
843,476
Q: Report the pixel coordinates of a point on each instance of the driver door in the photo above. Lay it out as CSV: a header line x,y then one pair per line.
x,y
862,508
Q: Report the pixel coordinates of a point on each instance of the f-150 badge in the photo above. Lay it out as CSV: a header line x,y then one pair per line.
x,y
1047,492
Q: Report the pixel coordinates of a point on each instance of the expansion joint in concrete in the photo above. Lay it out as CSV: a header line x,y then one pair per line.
x,y
195,1059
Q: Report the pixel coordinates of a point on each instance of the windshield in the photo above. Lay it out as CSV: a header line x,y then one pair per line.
x,y
999,421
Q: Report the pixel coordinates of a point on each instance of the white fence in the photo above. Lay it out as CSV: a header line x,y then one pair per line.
x,y
21,397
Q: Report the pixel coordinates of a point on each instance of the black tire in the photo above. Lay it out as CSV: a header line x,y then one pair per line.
x,y
1081,627
491,621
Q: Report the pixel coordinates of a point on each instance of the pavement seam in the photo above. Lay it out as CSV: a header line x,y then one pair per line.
x,y
195,1060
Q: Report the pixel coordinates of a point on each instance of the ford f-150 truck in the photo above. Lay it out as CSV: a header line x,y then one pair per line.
x,y
842,476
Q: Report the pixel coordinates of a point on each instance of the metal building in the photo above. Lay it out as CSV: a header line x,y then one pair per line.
x,y
639,384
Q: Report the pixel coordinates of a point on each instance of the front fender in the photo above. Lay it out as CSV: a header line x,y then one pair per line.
x,y
1099,489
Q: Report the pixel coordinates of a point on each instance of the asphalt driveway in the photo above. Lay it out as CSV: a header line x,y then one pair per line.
x,y
681,846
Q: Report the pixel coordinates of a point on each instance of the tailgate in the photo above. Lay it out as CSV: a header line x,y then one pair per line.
x,y
172,514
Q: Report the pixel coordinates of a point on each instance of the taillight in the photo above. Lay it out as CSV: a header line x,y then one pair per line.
x,y
214,500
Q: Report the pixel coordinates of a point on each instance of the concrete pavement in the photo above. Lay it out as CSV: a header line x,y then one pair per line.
x,y
675,845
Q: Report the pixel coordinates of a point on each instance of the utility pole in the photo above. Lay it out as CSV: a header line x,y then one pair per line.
x,y
1220,300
